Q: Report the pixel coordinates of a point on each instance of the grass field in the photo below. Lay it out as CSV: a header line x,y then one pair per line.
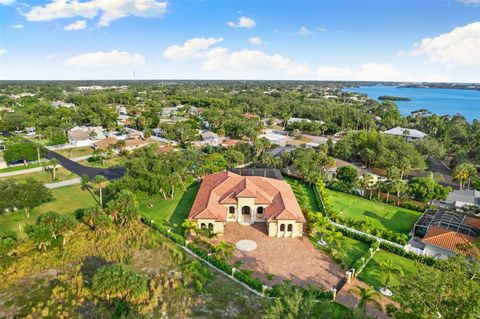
x,y
19,168
389,217
66,200
76,151
304,193
44,176
372,273
172,211
353,249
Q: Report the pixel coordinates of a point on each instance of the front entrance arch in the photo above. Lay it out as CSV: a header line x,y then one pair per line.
x,y
246,210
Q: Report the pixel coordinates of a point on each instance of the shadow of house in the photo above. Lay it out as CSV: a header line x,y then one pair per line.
x,y
182,209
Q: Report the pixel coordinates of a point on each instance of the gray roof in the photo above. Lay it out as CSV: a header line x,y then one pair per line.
x,y
400,132
468,196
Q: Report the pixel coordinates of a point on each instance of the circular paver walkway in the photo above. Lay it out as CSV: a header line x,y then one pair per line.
x,y
246,245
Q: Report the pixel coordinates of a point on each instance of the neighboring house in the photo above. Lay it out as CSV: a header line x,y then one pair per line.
x,y
85,135
443,232
457,199
250,116
62,104
172,110
30,131
296,119
227,143
210,138
332,172
406,133
130,144
228,197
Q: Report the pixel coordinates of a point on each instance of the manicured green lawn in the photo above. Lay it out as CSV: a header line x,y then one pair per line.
x,y
304,193
44,176
76,151
171,211
19,168
372,273
353,249
389,217
66,200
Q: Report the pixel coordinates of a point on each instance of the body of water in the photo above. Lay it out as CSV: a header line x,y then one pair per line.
x,y
438,101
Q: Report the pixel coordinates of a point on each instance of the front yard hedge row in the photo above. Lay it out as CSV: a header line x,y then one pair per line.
x,y
165,231
395,237
247,278
278,291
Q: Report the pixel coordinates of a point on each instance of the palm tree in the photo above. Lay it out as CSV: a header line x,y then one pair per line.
x,y
333,237
224,250
390,269
100,180
399,187
367,295
53,163
463,172
189,226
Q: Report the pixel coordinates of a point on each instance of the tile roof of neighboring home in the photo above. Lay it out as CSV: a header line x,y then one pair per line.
x,y
230,143
226,187
250,116
105,143
135,142
78,135
448,239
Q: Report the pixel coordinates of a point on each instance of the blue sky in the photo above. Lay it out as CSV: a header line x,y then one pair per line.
x,y
307,40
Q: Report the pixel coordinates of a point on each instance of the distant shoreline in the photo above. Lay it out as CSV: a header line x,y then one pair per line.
x,y
393,98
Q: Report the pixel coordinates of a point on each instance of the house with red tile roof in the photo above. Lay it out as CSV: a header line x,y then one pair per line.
x,y
447,233
228,197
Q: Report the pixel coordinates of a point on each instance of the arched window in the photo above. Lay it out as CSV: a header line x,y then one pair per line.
x,y
210,226
203,226
260,210
231,210
282,227
246,210
290,227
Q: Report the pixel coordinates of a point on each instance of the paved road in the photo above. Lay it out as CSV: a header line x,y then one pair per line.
x,y
80,170
38,169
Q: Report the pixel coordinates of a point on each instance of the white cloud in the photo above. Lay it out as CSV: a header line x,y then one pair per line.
x,y
255,41
252,63
304,31
193,48
101,58
243,22
50,57
320,29
3,52
468,2
77,25
17,26
6,2
107,10
459,47
375,72
335,73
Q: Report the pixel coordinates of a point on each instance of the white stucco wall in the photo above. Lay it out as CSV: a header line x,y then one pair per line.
x,y
435,251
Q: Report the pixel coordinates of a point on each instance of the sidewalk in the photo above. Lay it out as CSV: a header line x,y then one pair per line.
x,y
68,182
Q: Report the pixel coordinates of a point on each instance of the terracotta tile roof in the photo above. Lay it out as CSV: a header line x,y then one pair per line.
x,y
230,143
250,116
135,142
224,188
106,142
447,239
472,221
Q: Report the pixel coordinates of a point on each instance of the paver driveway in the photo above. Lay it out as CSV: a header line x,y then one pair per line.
x,y
292,259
